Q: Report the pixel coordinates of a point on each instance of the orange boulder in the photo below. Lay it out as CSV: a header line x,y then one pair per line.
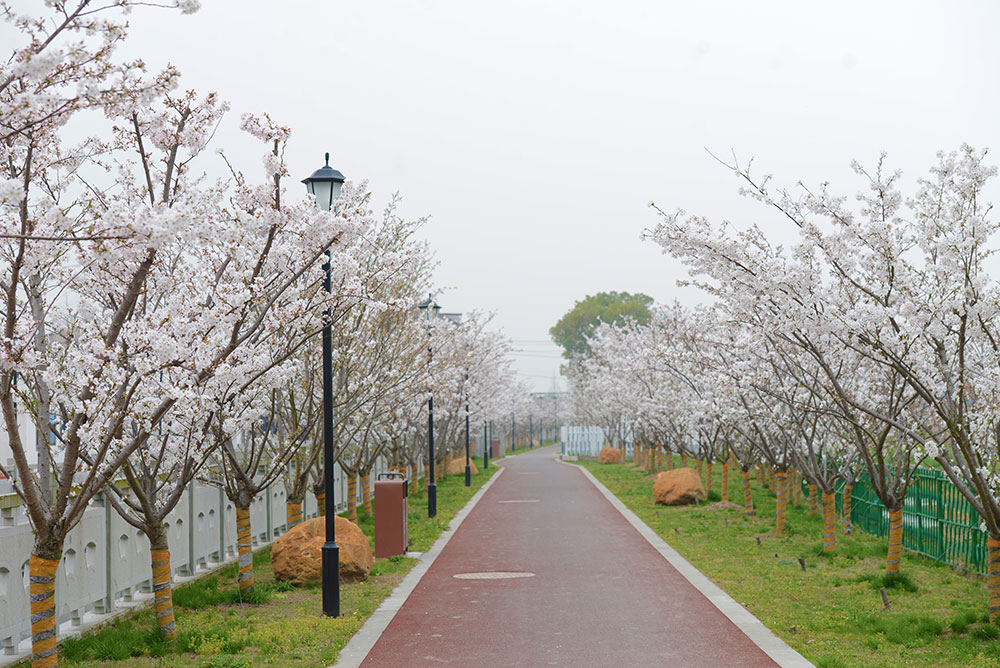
x,y
679,487
609,455
297,556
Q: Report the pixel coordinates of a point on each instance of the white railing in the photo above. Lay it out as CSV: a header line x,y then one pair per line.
x,y
106,563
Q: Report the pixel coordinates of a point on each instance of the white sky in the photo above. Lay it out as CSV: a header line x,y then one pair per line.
x,y
535,133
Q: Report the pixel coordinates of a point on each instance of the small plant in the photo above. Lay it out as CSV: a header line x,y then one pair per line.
x,y
986,632
889,581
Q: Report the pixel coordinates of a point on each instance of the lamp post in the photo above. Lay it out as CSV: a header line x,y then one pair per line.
x,y
531,434
429,311
468,460
486,455
324,185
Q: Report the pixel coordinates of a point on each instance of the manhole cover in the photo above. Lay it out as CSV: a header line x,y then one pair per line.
x,y
492,575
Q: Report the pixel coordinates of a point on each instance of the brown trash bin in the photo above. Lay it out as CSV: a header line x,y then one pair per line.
x,y
391,530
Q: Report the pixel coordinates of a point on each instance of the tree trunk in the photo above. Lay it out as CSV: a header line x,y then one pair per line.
x,y
848,527
700,465
659,459
366,493
669,454
321,503
796,484
725,480
245,547
829,522
708,477
163,596
42,573
779,508
813,500
747,493
293,512
993,576
895,541
352,497
413,480
684,460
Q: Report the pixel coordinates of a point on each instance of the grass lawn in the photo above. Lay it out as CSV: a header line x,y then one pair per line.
x,y
832,613
284,626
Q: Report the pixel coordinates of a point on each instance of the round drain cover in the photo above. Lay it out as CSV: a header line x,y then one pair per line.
x,y
492,575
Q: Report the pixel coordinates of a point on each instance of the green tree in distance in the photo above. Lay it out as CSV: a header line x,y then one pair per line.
x,y
579,322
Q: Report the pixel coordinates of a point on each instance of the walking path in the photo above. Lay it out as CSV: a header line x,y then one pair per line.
x,y
546,571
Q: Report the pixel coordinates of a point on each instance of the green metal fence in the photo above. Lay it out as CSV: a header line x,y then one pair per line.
x,y
937,521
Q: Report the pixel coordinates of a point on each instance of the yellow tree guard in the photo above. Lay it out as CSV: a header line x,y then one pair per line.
x,y
829,523
993,576
848,527
813,500
779,508
700,465
42,574
796,488
747,494
670,460
352,497
725,480
659,458
413,480
684,460
245,578
895,541
366,492
708,477
163,597
321,503
293,513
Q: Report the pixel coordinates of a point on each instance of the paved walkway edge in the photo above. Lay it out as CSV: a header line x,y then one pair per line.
x,y
357,648
772,645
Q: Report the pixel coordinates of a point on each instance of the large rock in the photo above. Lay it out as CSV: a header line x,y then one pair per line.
x,y
609,455
457,466
297,556
679,487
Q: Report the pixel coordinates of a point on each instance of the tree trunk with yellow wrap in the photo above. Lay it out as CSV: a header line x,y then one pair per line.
x,y
163,599
747,491
244,545
42,574
895,541
993,576
366,494
780,504
829,522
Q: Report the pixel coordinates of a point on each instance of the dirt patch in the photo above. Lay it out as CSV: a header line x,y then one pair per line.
x,y
723,505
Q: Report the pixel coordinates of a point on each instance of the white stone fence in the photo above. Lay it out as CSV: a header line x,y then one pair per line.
x,y
586,441
106,564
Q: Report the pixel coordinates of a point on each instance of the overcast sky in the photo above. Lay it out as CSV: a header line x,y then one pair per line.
x,y
536,133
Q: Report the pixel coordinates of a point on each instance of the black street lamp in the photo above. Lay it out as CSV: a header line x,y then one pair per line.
x,y
468,461
324,185
429,311
486,452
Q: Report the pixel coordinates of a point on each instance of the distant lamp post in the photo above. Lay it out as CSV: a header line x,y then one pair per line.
x,y
324,185
486,445
429,310
468,459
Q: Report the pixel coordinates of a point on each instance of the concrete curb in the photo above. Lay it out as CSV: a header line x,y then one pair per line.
x,y
772,645
357,648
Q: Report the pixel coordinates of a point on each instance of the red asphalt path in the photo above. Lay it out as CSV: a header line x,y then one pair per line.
x,y
601,595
